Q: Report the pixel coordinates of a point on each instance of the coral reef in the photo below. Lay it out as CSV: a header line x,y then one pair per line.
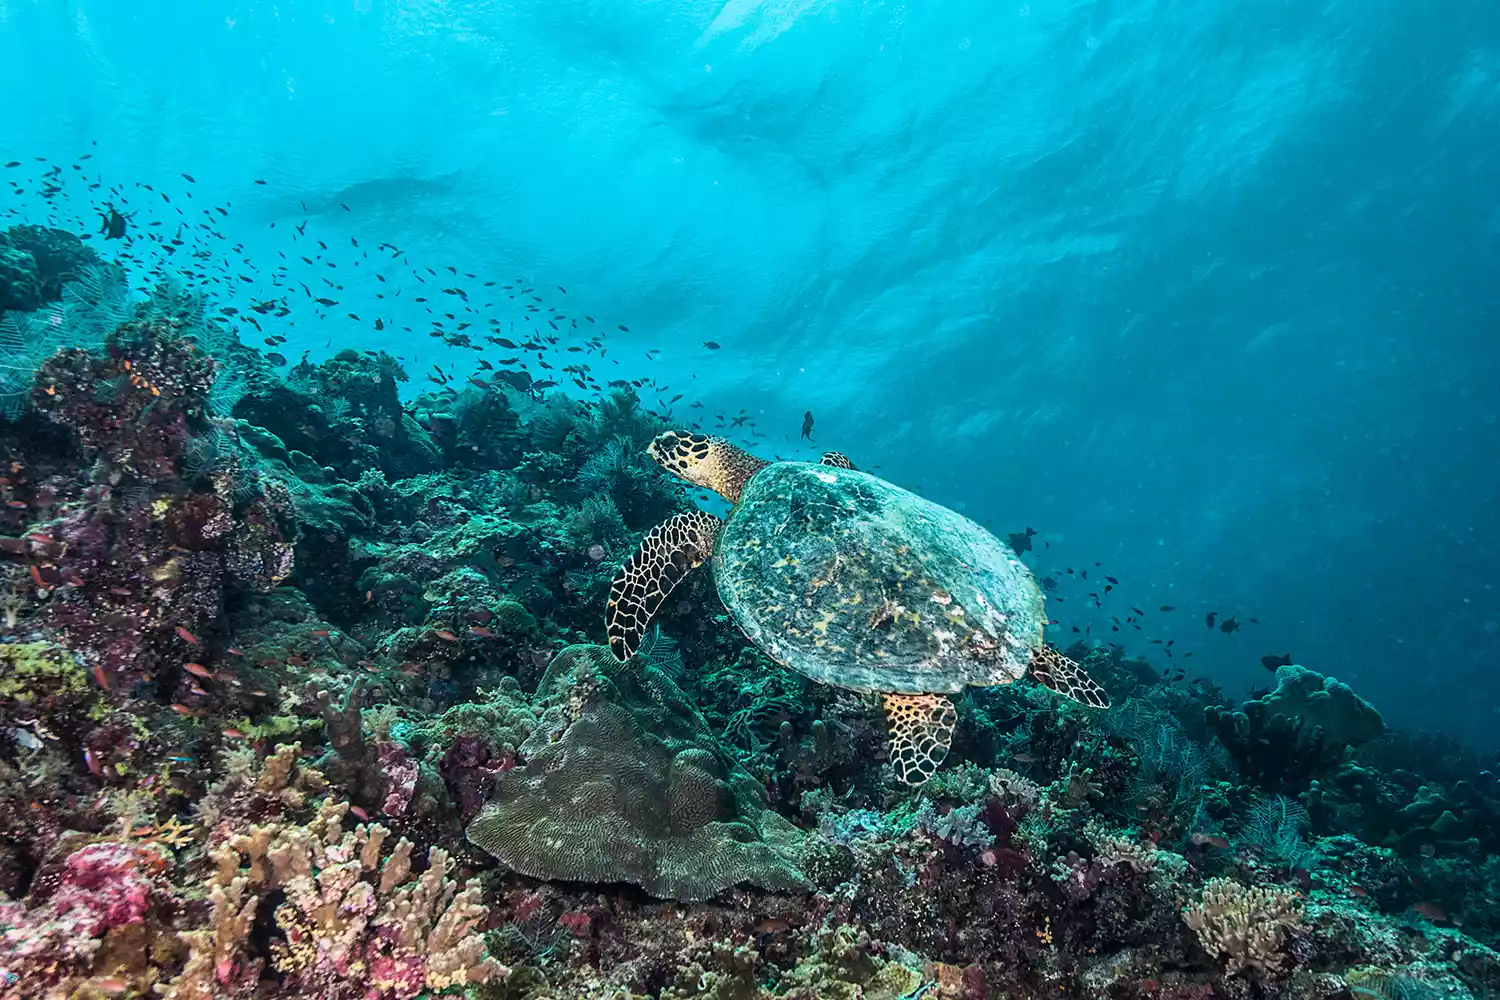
x,y
302,695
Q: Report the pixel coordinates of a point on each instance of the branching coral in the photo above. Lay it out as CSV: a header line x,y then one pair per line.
x,y
353,915
1245,926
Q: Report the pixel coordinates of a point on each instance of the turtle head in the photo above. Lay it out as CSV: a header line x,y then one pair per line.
x,y
711,462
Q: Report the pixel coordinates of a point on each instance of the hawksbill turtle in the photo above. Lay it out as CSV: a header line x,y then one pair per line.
x,y
853,582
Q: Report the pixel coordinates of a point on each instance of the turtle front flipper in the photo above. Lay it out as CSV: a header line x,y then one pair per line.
x,y
669,551
921,731
837,459
1055,671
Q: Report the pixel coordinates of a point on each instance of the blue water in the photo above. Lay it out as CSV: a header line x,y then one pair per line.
x,y
1202,291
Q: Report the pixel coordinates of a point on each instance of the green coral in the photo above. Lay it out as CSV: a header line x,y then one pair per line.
x,y
37,672
1312,699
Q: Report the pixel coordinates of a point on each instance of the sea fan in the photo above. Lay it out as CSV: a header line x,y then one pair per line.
x,y
228,389
551,423
26,340
621,415
95,303
607,468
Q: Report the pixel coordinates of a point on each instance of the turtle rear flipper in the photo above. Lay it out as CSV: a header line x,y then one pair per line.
x,y
1055,671
921,731
668,553
837,459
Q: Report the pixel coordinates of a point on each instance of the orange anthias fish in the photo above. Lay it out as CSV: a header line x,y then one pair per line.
x,y
445,635
198,670
187,636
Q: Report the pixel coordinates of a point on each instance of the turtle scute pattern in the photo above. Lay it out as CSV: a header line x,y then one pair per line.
x,y
921,731
858,583
624,782
668,553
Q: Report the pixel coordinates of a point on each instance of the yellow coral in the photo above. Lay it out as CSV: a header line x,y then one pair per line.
x,y
29,670
348,901
1245,926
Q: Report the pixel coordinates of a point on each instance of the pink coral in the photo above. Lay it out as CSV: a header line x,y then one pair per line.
x,y
59,928
401,773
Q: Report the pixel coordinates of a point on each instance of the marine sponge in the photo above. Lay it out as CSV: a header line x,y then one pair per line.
x,y
1244,926
623,782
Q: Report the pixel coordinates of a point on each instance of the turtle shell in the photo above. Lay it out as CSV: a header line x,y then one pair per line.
x,y
858,583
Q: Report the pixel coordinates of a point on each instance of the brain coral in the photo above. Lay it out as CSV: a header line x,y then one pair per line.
x,y
624,782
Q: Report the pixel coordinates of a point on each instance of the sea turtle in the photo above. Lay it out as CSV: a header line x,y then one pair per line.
x,y
853,582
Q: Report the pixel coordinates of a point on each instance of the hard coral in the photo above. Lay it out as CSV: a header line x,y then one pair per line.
x,y
78,919
56,256
354,917
622,781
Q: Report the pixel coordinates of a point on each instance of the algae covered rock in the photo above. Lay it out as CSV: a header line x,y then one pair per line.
x,y
624,782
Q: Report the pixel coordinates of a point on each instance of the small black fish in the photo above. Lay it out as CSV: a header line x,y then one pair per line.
x,y
279,360
1272,662
1167,607
1209,619
114,224
807,424
1021,542
1229,625
712,345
